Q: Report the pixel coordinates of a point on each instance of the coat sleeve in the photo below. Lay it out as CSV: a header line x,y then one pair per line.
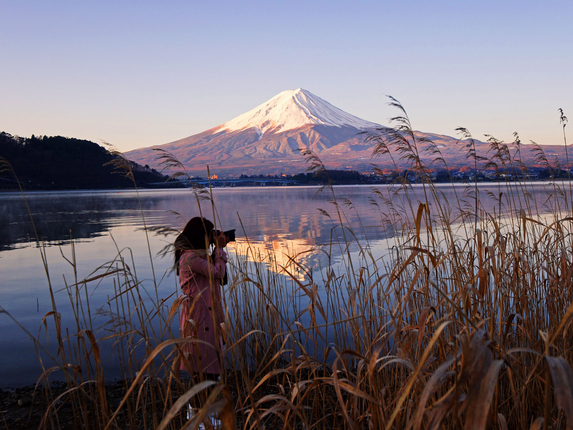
x,y
208,269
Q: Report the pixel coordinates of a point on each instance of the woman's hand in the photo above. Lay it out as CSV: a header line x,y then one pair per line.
x,y
221,241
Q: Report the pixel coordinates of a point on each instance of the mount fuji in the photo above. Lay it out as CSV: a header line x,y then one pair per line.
x,y
268,140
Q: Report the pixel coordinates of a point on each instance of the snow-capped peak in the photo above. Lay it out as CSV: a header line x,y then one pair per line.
x,y
292,109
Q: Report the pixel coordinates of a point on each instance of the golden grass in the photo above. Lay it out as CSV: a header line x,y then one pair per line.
x,y
466,323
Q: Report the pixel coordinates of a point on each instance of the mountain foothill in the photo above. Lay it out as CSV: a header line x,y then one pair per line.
x,y
63,163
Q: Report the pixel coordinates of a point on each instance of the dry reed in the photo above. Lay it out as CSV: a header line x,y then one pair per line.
x,y
466,323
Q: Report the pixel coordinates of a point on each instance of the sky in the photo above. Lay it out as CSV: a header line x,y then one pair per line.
x,y
143,73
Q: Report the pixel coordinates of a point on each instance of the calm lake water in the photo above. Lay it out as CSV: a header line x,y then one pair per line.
x,y
283,220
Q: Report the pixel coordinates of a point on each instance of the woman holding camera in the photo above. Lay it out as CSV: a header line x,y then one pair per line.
x,y
200,277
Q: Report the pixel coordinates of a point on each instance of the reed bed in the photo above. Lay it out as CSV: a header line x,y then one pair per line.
x,y
464,323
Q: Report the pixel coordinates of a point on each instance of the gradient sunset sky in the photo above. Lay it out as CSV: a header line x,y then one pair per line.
x,y
142,73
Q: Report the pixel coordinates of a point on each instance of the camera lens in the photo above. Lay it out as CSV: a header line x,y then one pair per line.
x,y
230,235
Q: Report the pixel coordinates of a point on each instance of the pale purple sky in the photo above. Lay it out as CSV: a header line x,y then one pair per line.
x,y
142,73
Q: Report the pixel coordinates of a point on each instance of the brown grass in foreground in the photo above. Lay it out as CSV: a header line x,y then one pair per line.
x,y
466,323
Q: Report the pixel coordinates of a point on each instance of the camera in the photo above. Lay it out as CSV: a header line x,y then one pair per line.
x,y
229,233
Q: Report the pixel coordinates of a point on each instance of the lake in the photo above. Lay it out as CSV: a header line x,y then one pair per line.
x,y
91,227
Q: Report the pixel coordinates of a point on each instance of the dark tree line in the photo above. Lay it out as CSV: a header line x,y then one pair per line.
x,y
322,177
335,176
58,163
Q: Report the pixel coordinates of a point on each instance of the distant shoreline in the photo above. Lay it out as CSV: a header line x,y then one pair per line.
x,y
309,185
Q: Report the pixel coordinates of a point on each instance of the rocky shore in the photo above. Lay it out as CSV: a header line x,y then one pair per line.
x,y
24,408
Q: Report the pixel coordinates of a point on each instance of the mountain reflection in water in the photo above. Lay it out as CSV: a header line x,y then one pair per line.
x,y
282,255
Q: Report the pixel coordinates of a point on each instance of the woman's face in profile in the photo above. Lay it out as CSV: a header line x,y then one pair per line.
x,y
212,237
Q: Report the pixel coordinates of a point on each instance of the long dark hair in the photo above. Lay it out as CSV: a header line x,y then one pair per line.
x,y
196,235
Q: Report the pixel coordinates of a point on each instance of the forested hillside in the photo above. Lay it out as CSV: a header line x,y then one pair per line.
x,y
59,163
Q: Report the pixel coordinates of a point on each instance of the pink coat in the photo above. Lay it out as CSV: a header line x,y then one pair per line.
x,y
202,309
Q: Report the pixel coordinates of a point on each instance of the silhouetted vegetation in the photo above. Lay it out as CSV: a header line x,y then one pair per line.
x,y
337,177
61,163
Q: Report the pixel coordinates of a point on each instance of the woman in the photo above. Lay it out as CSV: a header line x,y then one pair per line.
x,y
200,276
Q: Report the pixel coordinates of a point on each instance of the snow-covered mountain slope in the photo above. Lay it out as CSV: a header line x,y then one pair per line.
x,y
293,109
268,138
